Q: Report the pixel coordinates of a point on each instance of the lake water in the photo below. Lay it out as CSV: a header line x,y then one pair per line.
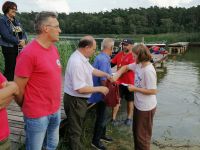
x,y
177,120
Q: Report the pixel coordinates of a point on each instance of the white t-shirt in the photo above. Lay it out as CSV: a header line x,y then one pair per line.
x,y
78,74
144,78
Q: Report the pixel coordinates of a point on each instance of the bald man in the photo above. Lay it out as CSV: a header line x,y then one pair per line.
x,y
78,87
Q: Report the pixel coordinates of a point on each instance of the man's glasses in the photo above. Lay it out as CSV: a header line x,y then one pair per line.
x,y
56,27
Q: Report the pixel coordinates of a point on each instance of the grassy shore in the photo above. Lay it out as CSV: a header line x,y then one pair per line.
x,y
122,135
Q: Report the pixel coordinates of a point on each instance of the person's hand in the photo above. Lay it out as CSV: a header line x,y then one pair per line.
x,y
110,78
4,84
115,77
22,43
14,86
8,101
104,90
131,88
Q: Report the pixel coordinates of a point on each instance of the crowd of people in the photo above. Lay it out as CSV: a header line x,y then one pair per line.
x,y
33,78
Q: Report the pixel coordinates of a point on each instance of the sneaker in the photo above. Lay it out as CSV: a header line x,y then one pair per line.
x,y
128,122
98,146
115,123
106,139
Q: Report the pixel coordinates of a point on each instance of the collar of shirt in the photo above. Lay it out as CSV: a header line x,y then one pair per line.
x,y
6,19
83,58
106,55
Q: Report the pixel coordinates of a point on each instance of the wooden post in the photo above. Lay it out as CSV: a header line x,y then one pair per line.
x,y
162,64
143,40
170,50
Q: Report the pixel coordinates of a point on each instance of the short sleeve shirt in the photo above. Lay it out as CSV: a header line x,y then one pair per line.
x,y
144,78
101,62
78,74
42,66
120,60
4,126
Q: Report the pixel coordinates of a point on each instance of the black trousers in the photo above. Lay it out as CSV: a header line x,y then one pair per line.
x,y
101,121
10,55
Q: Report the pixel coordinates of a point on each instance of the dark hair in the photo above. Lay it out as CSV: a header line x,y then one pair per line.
x,y
41,18
142,52
85,42
7,6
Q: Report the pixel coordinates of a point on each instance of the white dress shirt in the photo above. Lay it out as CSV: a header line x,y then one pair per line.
x,y
78,74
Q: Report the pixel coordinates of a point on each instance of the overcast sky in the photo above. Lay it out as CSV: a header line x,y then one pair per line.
x,y
95,5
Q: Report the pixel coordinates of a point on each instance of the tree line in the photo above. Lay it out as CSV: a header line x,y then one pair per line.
x,y
153,20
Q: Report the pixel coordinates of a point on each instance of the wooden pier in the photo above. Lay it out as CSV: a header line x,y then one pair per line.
x,y
158,58
159,61
16,123
178,48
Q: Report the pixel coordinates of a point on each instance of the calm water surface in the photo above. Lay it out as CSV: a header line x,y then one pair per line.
x,y
177,119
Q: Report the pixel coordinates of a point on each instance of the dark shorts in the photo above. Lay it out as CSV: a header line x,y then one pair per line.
x,y
124,93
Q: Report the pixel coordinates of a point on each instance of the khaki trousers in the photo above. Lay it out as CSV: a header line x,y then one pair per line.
x,y
5,144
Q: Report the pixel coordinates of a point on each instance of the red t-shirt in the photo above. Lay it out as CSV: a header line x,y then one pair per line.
x,y
42,66
120,60
4,126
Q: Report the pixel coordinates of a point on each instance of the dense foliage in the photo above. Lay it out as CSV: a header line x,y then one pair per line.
x,y
151,20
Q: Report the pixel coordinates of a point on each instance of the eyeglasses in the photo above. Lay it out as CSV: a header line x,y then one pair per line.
x,y
56,27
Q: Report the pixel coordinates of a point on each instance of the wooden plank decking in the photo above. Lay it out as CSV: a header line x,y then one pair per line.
x,y
16,122
178,48
158,58
159,61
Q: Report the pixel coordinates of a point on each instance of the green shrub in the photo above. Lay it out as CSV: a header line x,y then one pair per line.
x,y
65,48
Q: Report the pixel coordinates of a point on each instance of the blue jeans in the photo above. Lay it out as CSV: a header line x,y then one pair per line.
x,y
42,132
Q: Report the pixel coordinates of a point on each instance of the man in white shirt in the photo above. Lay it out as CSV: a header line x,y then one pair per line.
x,y
78,87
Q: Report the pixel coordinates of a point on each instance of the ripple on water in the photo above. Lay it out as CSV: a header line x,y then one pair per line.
x,y
177,118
